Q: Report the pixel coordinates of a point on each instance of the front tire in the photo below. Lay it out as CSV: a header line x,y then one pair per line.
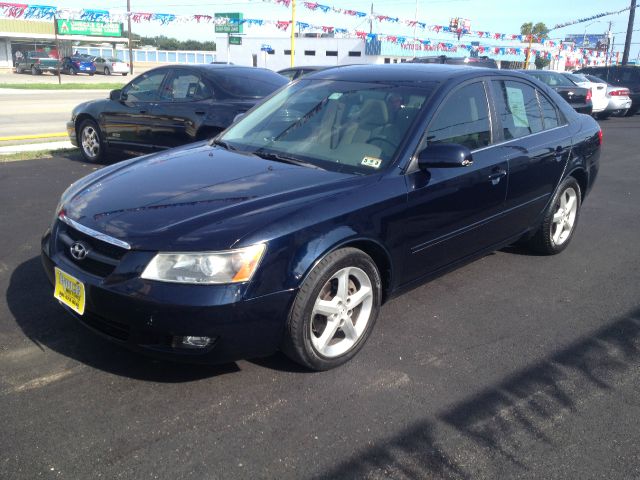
x,y
91,143
560,219
334,311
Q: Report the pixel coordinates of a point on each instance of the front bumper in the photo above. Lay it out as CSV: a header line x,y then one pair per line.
x,y
147,316
71,131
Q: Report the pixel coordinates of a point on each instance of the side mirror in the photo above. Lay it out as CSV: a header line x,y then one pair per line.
x,y
117,95
445,155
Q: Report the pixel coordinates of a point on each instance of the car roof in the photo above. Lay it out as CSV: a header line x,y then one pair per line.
x,y
404,72
212,67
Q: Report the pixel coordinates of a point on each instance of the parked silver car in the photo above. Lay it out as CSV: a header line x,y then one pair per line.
x,y
618,97
108,66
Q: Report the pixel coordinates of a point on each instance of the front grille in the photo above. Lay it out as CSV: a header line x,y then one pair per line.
x,y
103,257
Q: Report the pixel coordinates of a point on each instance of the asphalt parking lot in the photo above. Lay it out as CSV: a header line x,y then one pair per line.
x,y
514,366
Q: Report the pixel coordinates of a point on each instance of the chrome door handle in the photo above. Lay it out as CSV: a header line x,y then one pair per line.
x,y
496,176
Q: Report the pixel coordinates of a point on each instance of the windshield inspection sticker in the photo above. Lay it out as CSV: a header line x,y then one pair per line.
x,y
372,162
335,96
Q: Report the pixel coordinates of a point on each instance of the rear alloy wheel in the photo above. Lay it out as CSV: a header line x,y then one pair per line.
x,y
34,71
107,71
90,140
73,71
560,219
334,311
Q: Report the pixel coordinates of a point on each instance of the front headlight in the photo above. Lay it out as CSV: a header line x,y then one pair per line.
x,y
231,266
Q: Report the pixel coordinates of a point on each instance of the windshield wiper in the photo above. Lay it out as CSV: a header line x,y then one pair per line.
x,y
278,157
222,143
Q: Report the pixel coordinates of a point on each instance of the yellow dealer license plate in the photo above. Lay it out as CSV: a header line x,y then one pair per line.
x,y
70,291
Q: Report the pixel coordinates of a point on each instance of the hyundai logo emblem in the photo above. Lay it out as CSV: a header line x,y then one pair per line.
x,y
79,250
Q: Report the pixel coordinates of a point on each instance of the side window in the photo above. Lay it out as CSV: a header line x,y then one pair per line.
x,y
145,87
186,87
463,118
518,109
549,113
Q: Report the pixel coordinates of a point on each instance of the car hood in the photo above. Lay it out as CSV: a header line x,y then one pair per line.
x,y
160,201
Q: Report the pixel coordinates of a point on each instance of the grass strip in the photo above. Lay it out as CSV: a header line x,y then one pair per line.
x,y
37,155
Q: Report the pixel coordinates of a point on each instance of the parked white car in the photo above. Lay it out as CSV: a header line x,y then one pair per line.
x,y
109,66
598,91
619,99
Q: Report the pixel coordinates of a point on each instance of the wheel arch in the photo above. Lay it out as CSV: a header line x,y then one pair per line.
x,y
582,178
81,118
378,253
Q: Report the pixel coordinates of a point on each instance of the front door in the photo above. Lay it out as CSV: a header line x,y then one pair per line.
x,y
452,212
129,121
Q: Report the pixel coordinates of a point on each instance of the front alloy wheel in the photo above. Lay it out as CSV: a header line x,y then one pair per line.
x,y
334,310
341,312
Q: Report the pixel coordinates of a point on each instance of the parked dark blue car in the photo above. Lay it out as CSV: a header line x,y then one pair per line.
x,y
78,64
340,191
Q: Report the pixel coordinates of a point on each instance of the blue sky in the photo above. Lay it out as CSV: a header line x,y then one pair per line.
x,y
486,15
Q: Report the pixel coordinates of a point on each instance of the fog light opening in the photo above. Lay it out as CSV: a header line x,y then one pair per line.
x,y
192,342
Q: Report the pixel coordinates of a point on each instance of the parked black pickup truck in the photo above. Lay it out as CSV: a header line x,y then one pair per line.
x,y
36,63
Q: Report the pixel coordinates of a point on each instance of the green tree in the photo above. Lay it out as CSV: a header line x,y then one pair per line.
x,y
533,34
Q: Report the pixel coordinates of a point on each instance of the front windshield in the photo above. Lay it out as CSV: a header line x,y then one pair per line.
x,y
336,125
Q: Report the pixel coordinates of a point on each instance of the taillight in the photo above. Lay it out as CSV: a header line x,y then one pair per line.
x,y
619,93
77,64
113,64
37,61
600,137
588,95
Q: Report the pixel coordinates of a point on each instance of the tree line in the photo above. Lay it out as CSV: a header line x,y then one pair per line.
x,y
163,42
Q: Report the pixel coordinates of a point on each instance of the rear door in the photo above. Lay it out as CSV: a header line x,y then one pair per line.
x,y
129,121
454,212
536,142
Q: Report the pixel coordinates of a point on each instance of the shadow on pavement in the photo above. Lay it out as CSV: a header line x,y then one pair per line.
x,y
30,300
497,423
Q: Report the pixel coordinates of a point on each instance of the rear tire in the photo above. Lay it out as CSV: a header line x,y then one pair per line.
x,y
124,74
107,71
334,311
560,219
91,142
34,71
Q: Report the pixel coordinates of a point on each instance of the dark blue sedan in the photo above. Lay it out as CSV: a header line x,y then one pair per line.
x,y
78,64
343,189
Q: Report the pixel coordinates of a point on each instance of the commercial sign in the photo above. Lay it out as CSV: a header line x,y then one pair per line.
x,y
266,48
233,25
589,40
235,40
96,29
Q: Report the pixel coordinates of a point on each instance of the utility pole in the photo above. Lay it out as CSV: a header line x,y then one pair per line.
x,y
55,31
609,50
371,19
627,41
129,28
